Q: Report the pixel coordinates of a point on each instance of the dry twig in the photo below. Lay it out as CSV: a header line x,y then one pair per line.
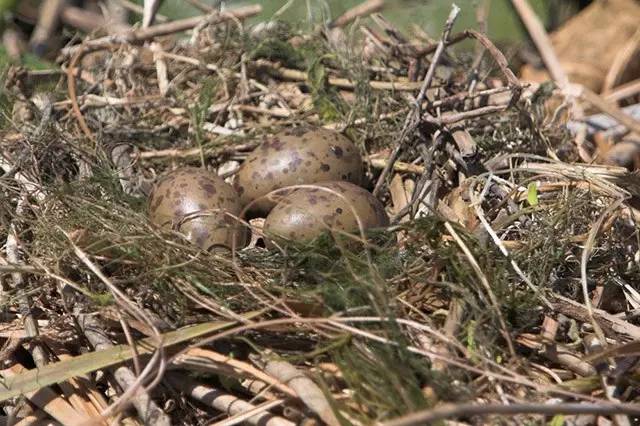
x,y
412,119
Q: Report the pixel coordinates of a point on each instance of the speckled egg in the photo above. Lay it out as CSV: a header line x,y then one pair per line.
x,y
192,201
304,214
302,155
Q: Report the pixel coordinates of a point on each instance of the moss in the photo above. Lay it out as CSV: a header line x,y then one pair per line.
x,y
341,277
280,51
327,102
384,380
102,299
27,60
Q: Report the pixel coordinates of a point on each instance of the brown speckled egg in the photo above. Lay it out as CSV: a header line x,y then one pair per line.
x,y
192,201
302,155
304,214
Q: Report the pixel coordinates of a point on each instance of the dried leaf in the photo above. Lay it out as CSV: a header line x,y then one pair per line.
x,y
57,372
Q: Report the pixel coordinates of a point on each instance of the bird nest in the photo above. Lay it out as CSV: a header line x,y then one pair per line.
x,y
505,265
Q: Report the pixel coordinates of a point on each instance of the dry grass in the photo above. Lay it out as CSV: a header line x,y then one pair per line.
x,y
463,299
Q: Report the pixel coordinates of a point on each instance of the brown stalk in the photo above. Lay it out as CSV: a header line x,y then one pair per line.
x,y
48,19
229,404
363,9
612,326
20,285
621,62
611,109
147,409
343,83
427,50
304,387
71,86
473,409
455,117
88,22
189,23
242,367
50,402
623,91
558,354
172,27
502,63
411,122
541,39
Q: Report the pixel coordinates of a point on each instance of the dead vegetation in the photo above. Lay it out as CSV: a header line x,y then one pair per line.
x,y
507,283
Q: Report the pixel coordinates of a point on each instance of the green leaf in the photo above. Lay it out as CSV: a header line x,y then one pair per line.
x,y
317,76
558,420
325,98
471,338
58,372
532,194
583,385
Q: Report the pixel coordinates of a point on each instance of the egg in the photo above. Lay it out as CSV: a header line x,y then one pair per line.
x,y
193,201
306,213
302,155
